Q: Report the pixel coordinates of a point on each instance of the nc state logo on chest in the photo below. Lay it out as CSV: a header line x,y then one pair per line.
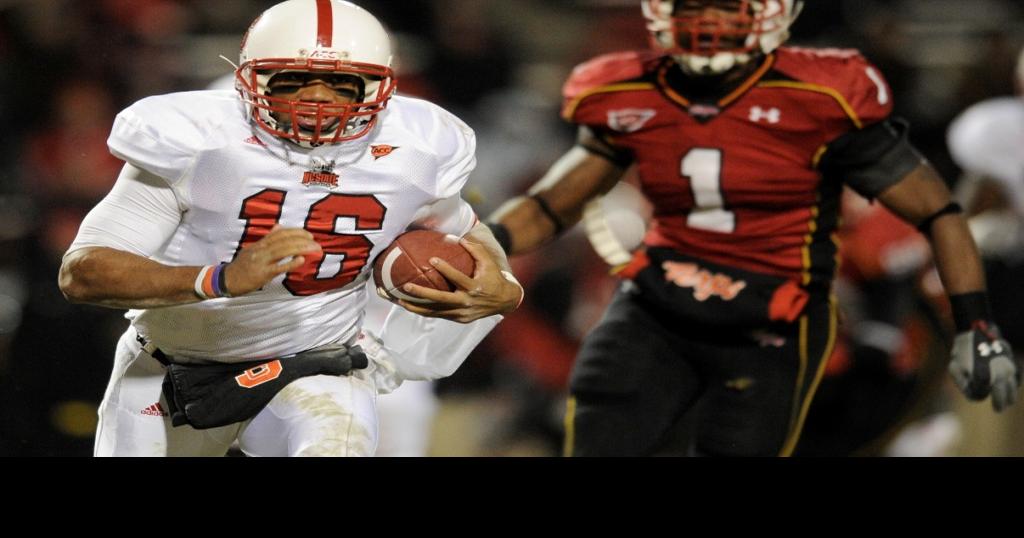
x,y
321,173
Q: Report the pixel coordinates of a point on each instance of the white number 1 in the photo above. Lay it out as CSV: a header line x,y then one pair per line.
x,y
704,169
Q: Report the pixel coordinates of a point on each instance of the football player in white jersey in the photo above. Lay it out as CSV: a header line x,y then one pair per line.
x,y
240,234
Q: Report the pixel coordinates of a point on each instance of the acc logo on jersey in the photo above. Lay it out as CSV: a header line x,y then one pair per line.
x,y
381,150
705,284
630,120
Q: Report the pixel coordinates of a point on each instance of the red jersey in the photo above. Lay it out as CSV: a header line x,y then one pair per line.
x,y
736,181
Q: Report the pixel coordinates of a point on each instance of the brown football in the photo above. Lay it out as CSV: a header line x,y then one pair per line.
x,y
407,260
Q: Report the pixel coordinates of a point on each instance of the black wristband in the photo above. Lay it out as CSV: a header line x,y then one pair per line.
x,y
543,204
926,225
968,308
501,234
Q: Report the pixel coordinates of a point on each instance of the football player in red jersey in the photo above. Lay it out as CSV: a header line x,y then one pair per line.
x,y
743,147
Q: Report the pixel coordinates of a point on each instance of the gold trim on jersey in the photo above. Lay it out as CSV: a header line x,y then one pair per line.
x,y
672,94
805,251
570,427
749,83
831,92
570,108
797,421
816,160
798,388
740,91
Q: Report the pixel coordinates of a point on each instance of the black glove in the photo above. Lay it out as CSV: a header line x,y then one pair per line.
x,y
983,363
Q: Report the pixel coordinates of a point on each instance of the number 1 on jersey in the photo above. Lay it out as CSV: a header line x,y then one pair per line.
x,y
703,167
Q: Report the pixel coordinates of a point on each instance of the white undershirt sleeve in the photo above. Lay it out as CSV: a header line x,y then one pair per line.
x,y
139,215
451,215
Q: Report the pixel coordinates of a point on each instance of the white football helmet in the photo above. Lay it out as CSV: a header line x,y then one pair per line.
x,y
315,36
709,45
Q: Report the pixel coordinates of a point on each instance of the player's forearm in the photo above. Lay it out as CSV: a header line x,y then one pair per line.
x,y
482,234
116,279
557,201
956,256
922,199
527,225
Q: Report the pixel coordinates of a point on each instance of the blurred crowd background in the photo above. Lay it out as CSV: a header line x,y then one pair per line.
x,y
68,66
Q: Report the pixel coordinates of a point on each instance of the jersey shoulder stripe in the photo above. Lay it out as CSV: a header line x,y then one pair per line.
x,y
857,87
615,72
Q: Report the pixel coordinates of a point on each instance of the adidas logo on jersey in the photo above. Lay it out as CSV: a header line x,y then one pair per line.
x,y
155,410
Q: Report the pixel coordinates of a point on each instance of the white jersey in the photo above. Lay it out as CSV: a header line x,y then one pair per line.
x,y
233,182
988,139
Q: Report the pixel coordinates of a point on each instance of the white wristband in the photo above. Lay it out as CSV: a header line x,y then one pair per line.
x,y
512,278
202,286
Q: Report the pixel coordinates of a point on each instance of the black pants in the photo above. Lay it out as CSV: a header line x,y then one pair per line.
x,y
639,372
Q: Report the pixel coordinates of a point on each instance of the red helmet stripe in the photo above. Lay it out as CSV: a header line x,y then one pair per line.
x,y
324,23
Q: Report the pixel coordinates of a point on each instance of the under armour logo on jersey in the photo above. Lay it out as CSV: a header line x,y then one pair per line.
x,y
381,150
321,173
629,120
772,115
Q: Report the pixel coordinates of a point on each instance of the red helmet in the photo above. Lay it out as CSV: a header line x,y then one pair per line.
x,y
319,37
705,44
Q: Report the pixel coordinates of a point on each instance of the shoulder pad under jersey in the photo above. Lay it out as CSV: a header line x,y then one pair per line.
x,y
859,89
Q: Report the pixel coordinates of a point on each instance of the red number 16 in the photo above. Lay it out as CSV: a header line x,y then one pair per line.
x,y
262,211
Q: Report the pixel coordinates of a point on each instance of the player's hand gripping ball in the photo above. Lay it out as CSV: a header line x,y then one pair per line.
x,y
407,260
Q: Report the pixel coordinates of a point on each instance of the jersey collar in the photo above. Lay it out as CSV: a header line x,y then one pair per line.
x,y
671,82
